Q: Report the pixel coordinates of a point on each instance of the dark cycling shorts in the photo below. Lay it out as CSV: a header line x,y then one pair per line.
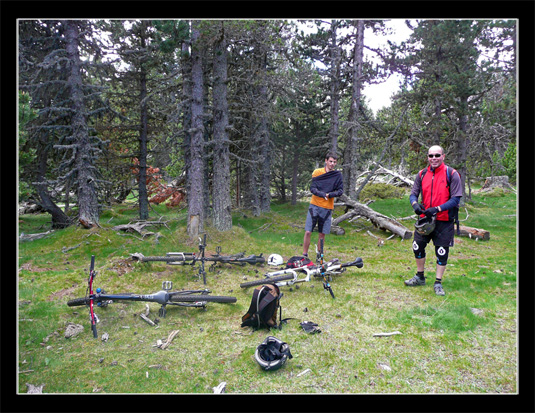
x,y
319,216
442,236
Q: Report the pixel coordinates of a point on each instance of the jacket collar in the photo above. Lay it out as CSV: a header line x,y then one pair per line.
x,y
438,168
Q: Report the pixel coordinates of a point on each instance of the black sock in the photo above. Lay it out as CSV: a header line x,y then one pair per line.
x,y
420,275
438,281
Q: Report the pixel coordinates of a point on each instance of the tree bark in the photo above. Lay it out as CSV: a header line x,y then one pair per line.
x,y
142,185
353,140
196,188
86,179
335,88
222,217
264,193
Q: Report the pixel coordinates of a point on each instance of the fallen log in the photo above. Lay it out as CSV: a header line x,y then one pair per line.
x,y
404,179
378,220
139,227
31,237
473,233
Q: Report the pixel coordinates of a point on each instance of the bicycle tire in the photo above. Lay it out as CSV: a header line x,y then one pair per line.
x,y
176,258
78,301
193,298
270,280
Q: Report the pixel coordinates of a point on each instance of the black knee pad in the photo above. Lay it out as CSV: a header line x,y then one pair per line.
x,y
442,255
418,247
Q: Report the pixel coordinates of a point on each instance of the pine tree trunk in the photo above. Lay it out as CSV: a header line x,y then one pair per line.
x,y
143,196
462,145
335,89
264,193
222,217
196,173
185,61
86,180
353,140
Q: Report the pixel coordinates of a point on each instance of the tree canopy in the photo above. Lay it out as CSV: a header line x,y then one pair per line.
x,y
235,112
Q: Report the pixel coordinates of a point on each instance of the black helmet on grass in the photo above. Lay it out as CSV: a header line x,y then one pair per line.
x,y
425,225
272,353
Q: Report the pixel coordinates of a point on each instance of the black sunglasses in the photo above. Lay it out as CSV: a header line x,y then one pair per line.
x,y
435,155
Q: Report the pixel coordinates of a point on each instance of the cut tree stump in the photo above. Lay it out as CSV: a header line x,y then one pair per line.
x,y
493,182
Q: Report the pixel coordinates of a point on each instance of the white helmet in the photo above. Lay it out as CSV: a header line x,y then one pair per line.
x,y
275,259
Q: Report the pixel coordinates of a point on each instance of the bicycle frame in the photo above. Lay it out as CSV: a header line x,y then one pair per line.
x,y
290,276
326,270
164,297
191,258
92,315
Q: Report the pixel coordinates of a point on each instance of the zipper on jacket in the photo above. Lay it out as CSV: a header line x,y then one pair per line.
x,y
432,182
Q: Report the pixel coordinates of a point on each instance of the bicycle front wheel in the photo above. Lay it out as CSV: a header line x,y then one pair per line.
x,y
193,298
270,280
78,301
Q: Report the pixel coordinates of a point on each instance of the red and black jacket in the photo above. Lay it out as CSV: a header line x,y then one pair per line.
x,y
436,189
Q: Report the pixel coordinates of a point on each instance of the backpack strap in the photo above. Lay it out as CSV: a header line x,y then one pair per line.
x,y
449,173
264,303
253,309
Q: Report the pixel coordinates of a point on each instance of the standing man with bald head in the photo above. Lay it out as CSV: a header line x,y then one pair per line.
x,y
440,186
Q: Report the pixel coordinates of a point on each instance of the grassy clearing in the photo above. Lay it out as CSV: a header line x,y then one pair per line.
x,y
465,342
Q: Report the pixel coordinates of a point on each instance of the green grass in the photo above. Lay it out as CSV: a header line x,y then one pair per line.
x,y
464,342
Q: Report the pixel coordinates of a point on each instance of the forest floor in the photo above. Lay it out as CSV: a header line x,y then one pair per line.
x,y
465,342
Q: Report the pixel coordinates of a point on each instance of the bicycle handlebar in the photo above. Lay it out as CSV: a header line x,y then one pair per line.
x,y
357,263
253,259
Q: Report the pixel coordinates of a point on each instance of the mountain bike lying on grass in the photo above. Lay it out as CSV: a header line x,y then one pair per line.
x,y
164,297
191,258
290,276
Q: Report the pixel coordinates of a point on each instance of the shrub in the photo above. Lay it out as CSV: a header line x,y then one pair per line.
x,y
381,191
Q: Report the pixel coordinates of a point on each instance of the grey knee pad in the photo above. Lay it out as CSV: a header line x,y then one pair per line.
x,y
418,247
442,255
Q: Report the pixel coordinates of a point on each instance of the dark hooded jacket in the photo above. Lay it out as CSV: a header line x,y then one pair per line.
x,y
326,183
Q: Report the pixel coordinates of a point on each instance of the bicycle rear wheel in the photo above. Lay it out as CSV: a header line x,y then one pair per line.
x,y
177,297
269,280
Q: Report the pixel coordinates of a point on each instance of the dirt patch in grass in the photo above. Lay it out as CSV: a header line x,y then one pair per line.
x,y
32,268
58,295
122,266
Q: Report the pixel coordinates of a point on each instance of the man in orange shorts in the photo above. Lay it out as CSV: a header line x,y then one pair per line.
x,y
326,185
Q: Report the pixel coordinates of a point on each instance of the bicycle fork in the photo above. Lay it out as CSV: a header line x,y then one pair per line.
x,y
326,278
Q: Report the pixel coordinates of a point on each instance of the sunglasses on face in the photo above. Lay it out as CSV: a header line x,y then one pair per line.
x,y
434,155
